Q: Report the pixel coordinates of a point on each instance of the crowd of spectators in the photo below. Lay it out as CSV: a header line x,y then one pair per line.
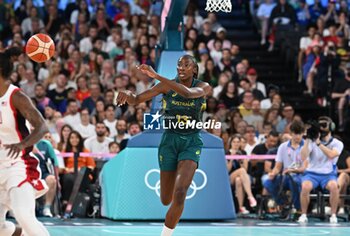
x,y
99,44
323,58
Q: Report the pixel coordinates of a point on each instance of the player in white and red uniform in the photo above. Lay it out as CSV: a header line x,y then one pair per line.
x,y
20,176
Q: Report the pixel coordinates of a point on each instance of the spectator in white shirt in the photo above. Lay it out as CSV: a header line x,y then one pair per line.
x,y
121,131
251,139
26,25
216,51
72,116
267,102
98,143
85,45
223,79
85,128
110,120
221,35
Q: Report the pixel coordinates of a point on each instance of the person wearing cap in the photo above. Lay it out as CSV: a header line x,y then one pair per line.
x,y
221,35
252,76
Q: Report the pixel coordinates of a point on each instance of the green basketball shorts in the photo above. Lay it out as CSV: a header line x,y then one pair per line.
x,y
176,147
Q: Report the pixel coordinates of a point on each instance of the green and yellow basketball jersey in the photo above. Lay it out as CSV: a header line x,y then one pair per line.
x,y
179,111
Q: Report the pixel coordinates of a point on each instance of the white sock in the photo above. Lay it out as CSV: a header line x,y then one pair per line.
x,y
166,231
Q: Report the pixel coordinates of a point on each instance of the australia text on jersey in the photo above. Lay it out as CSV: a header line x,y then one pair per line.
x,y
156,121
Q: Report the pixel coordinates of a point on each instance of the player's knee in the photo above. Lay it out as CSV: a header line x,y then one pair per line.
x,y
180,195
166,200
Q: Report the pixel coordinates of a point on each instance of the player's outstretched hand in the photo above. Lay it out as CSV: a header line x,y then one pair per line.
x,y
14,149
148,70
122,97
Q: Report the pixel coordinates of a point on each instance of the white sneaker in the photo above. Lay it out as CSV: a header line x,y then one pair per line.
x,y
333,219
341,211
243,211
47,212
303,219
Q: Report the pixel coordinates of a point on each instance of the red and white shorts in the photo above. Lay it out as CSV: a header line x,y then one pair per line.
x,y
19,171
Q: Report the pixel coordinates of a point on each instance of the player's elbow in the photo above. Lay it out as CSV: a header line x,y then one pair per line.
x,y
185,94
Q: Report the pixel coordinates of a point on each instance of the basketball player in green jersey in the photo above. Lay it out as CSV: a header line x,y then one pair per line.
x,y
179,150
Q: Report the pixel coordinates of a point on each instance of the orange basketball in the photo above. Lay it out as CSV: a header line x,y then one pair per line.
x,y
40,48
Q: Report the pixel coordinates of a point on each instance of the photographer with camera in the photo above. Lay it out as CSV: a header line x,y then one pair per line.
x,y
321,151
290,164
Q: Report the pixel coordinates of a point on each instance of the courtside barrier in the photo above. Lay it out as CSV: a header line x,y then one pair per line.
x,y
130,183
250,157
96,155
111,155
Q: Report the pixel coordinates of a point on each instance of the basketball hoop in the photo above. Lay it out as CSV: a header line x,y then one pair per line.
x,y
218,5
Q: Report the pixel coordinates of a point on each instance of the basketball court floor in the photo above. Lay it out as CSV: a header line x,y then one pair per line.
x,y
240,227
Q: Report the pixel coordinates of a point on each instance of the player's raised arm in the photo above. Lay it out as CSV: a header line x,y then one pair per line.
x,y
133,99
24,105
200,91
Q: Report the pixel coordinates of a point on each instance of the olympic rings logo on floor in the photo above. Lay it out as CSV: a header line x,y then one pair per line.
x,y
194,187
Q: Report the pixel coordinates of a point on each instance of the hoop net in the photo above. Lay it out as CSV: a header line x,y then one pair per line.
x,y
218,5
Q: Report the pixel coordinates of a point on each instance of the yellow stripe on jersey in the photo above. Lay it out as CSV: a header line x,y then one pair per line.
x,y
164,103
204,106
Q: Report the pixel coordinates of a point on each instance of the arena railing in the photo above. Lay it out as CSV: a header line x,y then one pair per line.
x,y
102,155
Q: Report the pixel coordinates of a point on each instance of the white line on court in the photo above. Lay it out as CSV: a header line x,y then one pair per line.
x,y
133,233
191,226
127,223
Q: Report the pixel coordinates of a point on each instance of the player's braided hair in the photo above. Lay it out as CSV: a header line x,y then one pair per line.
x,y
6,65
195,74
